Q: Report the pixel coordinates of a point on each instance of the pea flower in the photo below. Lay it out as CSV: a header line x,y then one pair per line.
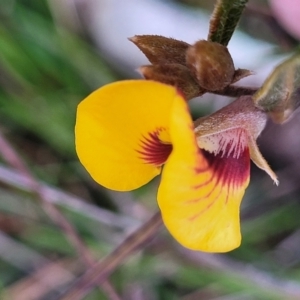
x,y
130,131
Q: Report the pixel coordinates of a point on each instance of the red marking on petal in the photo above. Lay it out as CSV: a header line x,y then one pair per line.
x,y
205,197
227,155
154,151
202,184
197,215
227,171
230,171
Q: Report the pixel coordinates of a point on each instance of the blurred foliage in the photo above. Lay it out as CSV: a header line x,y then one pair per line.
x,y
45,70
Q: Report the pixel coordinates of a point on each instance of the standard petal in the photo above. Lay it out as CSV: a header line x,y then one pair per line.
x,y
122,132
200,192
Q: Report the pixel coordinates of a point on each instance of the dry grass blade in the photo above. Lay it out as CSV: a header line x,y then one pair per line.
x,y
47,278
100,271
44,276
19,255
51,194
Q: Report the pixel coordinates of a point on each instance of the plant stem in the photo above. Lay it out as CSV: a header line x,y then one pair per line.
x,y
224,19
99,272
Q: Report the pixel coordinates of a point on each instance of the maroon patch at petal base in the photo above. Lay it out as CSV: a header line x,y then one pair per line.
x,y
229,170
153,150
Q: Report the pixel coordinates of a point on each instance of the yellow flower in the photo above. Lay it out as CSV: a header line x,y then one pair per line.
x,y
126,131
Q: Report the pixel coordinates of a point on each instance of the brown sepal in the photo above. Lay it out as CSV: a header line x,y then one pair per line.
x,y
161,50
240,74
175,75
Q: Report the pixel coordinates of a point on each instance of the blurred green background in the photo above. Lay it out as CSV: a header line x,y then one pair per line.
x,y
47,65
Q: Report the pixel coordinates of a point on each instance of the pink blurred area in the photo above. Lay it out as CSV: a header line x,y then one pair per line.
x,y
287,12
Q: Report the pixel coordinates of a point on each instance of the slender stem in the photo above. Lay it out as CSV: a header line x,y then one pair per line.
x,y
224,19
99,272
236,91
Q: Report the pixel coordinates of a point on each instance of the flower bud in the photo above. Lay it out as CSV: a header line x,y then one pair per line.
x,y
161,50
211,64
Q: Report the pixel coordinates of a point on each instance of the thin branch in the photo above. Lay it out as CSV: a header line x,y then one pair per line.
x,y
236,91
100,271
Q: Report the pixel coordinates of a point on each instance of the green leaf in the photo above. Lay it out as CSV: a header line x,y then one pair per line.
x,y
279,96
224,19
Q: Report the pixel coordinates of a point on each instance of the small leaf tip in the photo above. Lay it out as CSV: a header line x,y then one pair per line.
x,y
132,39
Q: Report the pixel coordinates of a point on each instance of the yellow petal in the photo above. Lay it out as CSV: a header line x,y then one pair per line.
x,y
122,132
200,192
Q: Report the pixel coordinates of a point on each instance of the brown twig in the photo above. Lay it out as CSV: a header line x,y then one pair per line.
x,y
236,91
12,158
99,272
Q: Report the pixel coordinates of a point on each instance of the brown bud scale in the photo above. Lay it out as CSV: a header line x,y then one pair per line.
x,y
175,75
211,64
